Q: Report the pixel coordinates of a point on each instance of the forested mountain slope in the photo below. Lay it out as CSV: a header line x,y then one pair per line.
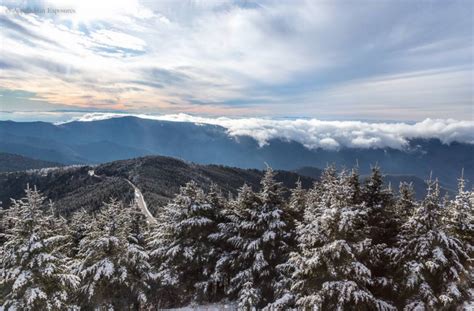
x,y
159,178
391,180
127,137
14,162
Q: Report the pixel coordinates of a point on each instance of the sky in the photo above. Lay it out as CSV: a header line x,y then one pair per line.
x,y
329,60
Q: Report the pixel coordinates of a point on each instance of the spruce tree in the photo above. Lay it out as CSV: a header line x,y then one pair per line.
x,y
34,274
460,214
77,227
282,287
4,225
297,202
227,264
214,285
354,184
379,204
259,236
405,205
328,271
113,270
373,192
183,243
136,258
433,262
383,225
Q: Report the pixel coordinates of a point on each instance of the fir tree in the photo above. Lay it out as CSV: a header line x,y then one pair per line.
x,y
136,258
383,229
384,269
183,243
249,297
227,264
257,232
328,273
460,215
373,194
296,207
406,203
297,202
114,271
433,262
77,228
379,204
35,275
216,281
354,184
4,225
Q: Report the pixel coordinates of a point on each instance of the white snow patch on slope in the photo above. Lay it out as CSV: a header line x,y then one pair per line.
x,y
331,135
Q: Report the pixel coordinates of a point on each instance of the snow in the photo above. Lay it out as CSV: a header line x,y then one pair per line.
x,y
21,279
104,268
32,294
241,250
209,307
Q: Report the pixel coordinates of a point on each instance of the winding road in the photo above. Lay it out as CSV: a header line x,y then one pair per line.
x,y
142,204
138,198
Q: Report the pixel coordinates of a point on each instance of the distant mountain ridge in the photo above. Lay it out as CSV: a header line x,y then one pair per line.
x,y
392,181
159,179
129,137
14,162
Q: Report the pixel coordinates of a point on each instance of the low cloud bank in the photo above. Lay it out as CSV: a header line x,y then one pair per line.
x,y
331,135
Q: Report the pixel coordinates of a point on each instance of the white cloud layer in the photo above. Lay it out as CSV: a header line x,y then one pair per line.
x,y
333,59
331,135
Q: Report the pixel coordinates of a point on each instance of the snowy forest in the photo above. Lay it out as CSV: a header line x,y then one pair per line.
x,y
344,244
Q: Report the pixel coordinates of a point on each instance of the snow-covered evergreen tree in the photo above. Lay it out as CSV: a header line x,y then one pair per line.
x,y
257,231
459,222
111,263
282,286
406,202
34,274
249,296
3,225
214,286
433,262
136,258
227,265
328,271
183,243
77,227
379,205
383,227
297,201
460,214
354,185
373,192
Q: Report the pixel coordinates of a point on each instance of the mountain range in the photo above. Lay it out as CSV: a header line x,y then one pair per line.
x,y
158,178
14,162
129,137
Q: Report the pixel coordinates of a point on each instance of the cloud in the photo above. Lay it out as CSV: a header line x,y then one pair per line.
x,y
380,60
332,135
415,94
117,40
